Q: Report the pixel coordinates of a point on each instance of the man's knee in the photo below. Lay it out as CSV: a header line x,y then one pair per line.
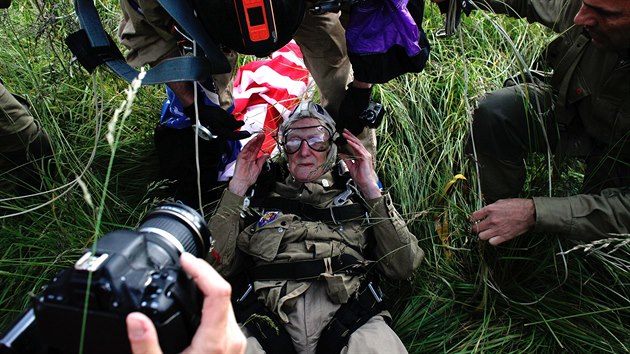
x,y
375,336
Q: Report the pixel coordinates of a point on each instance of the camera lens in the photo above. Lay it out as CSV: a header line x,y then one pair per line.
x,y
180,226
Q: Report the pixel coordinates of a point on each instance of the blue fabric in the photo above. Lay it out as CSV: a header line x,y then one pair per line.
x,y
173,117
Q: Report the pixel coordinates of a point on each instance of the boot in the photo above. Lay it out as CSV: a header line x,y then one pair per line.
x,y
499,179
21,170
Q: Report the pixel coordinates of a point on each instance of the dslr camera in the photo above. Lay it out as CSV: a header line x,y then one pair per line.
x,y
83,309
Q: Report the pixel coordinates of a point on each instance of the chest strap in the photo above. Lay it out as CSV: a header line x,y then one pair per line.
x,y
335,215
309,270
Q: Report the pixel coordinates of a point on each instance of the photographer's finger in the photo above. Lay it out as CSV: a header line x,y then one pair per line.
x,y
206,278
142,334
218,331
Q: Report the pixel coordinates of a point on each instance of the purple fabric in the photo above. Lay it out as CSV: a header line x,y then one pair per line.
x,y
377,25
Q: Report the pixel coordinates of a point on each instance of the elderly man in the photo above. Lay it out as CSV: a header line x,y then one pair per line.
x,y
585,110
315,243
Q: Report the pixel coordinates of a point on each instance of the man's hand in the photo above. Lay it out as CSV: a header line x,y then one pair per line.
x,y
248,166
218,331
504,220
220,122
361,167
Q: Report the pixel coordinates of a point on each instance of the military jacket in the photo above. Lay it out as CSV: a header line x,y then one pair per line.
x,y
593,90
280,237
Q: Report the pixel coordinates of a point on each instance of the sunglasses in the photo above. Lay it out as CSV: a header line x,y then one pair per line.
x,y
317,137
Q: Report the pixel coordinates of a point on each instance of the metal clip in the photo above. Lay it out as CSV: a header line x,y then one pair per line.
x,y
343,196
249,289
377,293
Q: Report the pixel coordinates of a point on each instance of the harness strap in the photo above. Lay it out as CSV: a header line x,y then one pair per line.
x,y
93,46
335,215
350,317
309,270
261,322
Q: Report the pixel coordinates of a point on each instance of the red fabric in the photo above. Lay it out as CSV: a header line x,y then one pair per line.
x,y
265,91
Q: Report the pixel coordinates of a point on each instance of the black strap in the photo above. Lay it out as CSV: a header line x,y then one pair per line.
x,y
261,322
92,46
350,317
335,215
309,270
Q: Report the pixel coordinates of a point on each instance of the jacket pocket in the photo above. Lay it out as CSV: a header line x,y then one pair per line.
x,y
263,239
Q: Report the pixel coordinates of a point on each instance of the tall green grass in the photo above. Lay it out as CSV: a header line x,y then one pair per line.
x,y
526,296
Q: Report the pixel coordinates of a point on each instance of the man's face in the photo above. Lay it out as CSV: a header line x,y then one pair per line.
x,y
607,21
302,140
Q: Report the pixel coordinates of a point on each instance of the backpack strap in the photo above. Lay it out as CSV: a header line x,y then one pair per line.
x,y
93,46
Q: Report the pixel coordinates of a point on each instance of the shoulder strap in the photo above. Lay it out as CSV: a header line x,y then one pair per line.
x,y
93,46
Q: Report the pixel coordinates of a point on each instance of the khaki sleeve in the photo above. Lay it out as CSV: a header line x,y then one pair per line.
x,y
225,226
396,248
146,32
555,14
585,217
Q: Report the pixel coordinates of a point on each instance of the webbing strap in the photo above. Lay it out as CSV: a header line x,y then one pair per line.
x,y
184,15
185,68
350,317
309,270
335,215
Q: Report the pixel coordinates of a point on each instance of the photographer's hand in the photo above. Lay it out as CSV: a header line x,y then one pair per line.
x,y
218,331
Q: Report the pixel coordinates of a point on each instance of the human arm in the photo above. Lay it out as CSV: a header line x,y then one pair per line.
x,y
248,166
361,167
585,217
555,14
226,223
395,248
218,331
504,220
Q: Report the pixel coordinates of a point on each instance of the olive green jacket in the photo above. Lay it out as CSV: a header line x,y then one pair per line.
x,y
593,88
279,237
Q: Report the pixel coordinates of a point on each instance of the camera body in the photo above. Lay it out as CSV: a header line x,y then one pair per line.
x,y
125,271
372,116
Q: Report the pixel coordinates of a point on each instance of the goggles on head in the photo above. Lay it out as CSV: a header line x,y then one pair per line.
x,y
317,137
309,109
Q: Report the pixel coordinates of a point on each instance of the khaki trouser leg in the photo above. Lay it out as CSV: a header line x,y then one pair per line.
x,y
322,40
17,126
312,312
225,82
374,337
